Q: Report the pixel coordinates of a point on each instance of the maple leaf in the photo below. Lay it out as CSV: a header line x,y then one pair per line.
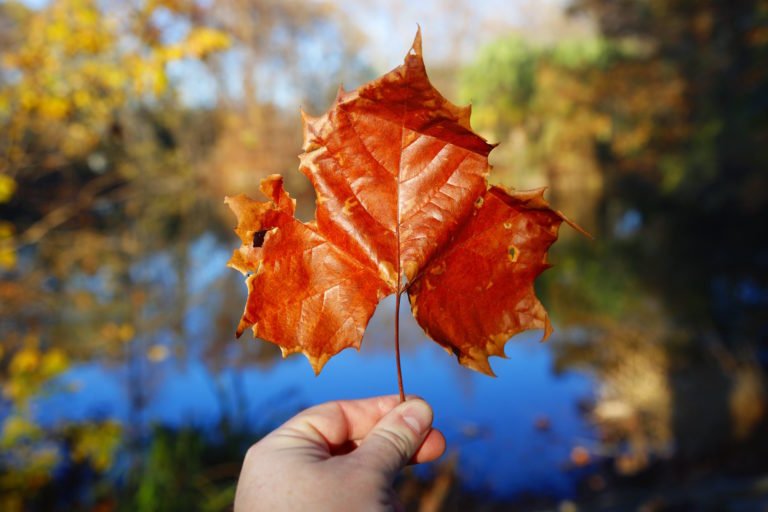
x,y
403,205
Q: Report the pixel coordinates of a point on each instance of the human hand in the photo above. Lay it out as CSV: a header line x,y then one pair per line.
x,y
341,455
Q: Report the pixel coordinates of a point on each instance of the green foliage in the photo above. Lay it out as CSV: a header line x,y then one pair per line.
x,y
578,54
500,84
503,82
186,470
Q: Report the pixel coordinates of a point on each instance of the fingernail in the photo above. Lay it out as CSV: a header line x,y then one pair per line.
x,y
418,415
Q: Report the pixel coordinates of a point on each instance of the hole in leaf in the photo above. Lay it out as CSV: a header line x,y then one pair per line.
x,y
514,252
258,238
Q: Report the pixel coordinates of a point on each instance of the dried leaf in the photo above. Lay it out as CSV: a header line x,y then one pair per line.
x,y
403,204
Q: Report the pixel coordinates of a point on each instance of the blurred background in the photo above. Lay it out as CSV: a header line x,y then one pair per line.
x,y
124,124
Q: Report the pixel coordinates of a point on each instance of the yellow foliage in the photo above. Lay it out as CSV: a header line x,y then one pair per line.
x,y
54,362
7,188
112,332
98,444
17,429
25,360
31,368
75,71
53,108
126,332
28,98
77,140
202,41
15,390
173,52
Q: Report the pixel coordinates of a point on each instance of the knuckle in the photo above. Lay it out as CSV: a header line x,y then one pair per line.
x,y
398,441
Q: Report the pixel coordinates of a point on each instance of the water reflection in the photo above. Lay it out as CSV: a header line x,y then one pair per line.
x,y
116,310
512,435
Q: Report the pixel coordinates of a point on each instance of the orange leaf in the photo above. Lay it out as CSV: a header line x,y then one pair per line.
x,y
403,203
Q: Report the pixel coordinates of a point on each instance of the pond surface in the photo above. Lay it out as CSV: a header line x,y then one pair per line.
x,y
512,434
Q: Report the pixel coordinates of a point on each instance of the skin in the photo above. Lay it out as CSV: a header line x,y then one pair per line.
x,y
341,455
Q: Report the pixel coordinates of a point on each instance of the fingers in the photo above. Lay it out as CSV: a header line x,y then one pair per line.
x,y
338,422
397,437
337,428
431,449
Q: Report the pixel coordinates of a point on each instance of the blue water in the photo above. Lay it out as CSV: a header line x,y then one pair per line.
x,y
488,422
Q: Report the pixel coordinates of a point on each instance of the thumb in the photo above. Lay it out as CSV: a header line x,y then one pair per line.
x,y
393,441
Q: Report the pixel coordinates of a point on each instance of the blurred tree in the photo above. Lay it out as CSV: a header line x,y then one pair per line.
x,y
69,71
73,72
284,54
559,109
111,179
696,178
653,135
662,123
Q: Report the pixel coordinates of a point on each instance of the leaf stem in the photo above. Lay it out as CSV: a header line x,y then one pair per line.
x,y
397,346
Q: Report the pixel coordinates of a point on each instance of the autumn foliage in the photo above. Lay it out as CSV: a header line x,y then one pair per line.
x,y
403,205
